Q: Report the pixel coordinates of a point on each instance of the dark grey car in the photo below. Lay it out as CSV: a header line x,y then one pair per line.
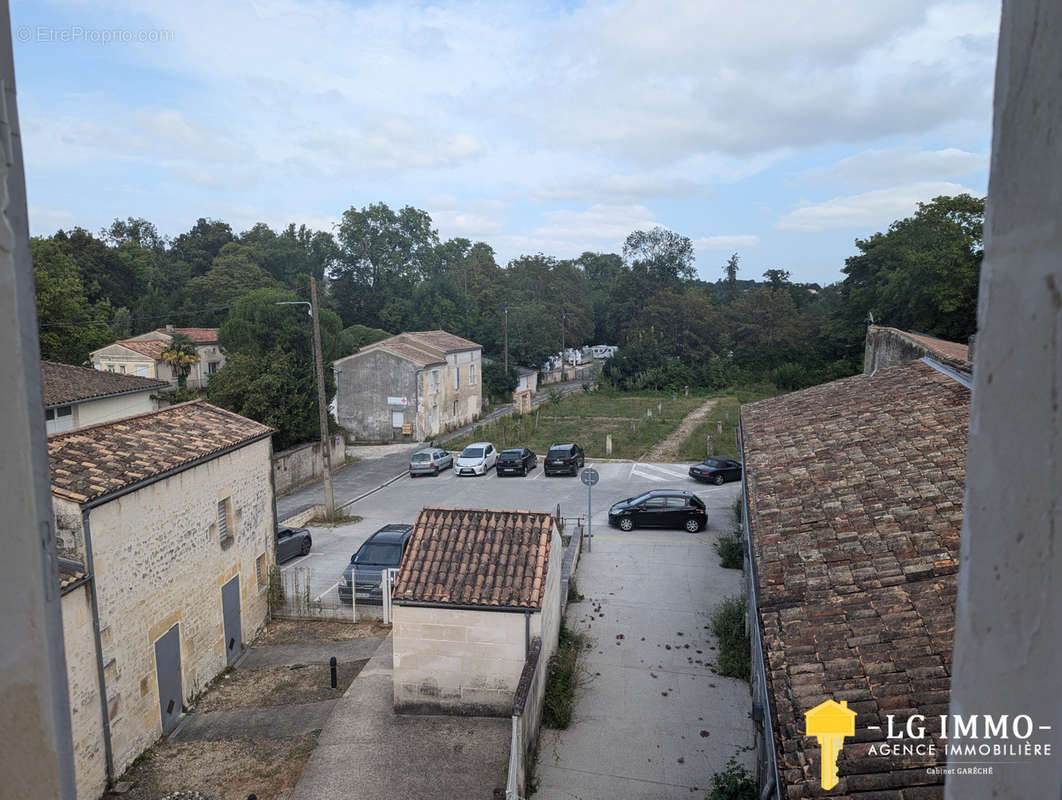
x,y
292,542
383,550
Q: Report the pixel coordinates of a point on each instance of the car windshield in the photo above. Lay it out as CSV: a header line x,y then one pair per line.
x,y
421,457
640,498
389,555
507,455
472,452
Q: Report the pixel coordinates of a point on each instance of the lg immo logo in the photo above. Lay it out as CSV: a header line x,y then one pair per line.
x,y
830,722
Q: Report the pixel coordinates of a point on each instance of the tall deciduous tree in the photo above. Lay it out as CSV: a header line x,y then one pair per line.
x,y
667,256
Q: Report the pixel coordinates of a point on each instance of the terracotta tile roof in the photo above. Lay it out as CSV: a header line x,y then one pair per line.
x,y
197,335
477,557
64,383
93,462
421,356
147,347
942,347
442,340
856,495
68,576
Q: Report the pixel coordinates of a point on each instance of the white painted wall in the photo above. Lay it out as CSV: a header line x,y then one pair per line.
x,y
106,409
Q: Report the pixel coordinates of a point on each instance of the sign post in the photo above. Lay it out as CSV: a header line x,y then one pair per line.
x,y
589,476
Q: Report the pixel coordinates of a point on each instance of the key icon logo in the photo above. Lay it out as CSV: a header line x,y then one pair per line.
x,y
830,722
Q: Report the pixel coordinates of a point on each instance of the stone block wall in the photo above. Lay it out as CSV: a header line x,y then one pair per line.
x,y
86,719
300,465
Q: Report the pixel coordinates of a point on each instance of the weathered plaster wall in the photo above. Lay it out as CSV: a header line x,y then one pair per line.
x,y
85,716
1008,631
364,382
299,465
106,409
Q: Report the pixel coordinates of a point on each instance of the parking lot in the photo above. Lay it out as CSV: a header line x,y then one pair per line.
x,y
402,500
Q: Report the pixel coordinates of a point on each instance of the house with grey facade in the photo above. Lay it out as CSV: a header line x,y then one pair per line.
x,y
412,386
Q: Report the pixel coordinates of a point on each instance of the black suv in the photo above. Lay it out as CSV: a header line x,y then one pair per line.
x,y
383,550
516,461
664,508
564,459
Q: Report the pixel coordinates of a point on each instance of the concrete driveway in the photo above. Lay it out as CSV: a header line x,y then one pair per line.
x,y
651,718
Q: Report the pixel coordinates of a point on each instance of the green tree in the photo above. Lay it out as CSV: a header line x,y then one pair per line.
x,y
180,354
352,339
70,325
233,273
922,274
667,256
269,370
730,272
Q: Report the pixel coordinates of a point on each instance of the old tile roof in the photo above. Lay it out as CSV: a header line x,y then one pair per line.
x,y
197,335
478,557
65,384
442,340
423,348
68,576
152,348
94,462
855,497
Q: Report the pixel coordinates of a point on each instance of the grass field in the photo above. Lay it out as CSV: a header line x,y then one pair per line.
x,y
586,419
725,411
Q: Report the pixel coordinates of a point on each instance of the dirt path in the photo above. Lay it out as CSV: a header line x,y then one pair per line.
x,y
667,450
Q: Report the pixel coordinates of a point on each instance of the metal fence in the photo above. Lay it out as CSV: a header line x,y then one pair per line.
x,y
302,592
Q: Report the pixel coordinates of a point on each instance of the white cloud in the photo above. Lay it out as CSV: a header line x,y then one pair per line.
x,y
875,168
876,208
733,242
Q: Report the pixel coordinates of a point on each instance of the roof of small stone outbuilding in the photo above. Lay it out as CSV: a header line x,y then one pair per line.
x,y
477,557
856,495
99,460
64,383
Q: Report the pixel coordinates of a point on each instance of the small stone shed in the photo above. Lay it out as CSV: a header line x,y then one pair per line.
x,y
475,589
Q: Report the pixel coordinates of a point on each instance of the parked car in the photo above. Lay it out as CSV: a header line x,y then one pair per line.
x,y
716,470
564,459
662,508
383,550
429,462
292,542
516,461
476,459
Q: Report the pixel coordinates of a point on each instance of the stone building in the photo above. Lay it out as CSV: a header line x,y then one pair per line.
x,y
77,396
142,355
165,526
477,592
854,504
411,386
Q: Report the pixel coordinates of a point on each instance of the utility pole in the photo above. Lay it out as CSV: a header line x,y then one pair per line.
x,y
564,320
322,408
506,309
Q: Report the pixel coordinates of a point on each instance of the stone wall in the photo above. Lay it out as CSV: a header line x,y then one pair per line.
x,y
364,382
159,561
301,465
86,721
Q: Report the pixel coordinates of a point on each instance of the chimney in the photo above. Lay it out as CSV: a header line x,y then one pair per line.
x,y
169,328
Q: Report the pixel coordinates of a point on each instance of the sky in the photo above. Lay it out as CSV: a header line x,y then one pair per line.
x,y
782,131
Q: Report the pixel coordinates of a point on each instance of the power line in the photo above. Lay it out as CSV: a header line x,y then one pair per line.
x,y
137,318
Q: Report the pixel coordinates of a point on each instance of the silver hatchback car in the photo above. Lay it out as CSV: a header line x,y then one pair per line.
x,y
429,462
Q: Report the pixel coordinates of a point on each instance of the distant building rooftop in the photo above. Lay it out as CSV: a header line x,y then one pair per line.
x,y
422,348
886,347
855,495
65,384
197,335
477,557
91,463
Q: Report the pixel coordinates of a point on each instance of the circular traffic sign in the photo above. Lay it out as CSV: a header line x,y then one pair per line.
x,y
589,476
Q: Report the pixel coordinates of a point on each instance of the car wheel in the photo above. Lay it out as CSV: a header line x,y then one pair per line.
x,y
523,472
436,471
626,524
693,525
717,480
306,547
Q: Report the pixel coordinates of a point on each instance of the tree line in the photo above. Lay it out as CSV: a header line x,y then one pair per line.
x,y
383,271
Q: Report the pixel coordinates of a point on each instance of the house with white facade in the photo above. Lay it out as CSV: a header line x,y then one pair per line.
x,y
142,355
165,528
78,396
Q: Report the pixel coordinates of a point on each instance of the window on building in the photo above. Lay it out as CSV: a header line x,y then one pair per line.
x,y
457,377
398,419
471,374
212,367
455,409
142,371
57,420
260,570
121,368
224,517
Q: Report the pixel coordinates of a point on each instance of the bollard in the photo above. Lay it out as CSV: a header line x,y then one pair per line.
x,y
649,413
608,445
719,426
332,664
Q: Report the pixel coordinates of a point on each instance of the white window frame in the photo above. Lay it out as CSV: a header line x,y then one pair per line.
x,y
457,377
472,374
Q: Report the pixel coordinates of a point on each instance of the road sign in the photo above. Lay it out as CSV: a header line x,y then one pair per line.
x,y
590,476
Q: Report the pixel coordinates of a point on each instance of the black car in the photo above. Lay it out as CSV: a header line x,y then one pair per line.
x,y
564,459
716,470
516,461
383,550
663,508
292,542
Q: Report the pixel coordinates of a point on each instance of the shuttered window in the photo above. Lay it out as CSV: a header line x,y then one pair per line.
x,y
223,519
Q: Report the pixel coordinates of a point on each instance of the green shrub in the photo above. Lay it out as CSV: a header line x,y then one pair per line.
x,y
728,624
733,783
731,551
561,680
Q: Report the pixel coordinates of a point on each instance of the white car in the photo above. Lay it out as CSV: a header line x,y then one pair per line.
x,y
476,459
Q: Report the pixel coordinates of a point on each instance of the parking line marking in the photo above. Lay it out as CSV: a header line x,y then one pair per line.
x,y
326,591
299,560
